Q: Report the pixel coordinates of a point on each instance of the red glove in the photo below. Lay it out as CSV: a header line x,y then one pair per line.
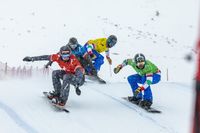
x,y
109,60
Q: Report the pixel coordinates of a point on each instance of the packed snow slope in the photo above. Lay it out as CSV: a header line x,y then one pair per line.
x,y
100,108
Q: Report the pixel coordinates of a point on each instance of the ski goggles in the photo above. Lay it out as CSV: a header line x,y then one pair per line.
x,y
111,42
140,59
65,55
73,46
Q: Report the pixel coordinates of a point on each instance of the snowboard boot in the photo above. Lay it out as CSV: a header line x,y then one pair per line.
x,y
58,102
52,94
145,104
134,99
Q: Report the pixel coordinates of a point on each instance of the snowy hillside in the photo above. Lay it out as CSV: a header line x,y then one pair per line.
x,y
164,30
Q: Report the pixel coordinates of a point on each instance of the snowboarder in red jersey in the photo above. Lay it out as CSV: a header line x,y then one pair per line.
x,y
72,73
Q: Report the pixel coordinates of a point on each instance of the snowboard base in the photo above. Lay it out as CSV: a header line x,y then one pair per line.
x,y
150,110
96,78
55,105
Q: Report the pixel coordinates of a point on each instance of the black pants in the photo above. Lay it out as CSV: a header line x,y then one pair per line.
x,y
62,89
87,63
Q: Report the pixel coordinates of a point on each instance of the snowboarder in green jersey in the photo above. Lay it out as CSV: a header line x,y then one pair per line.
x,y
147,74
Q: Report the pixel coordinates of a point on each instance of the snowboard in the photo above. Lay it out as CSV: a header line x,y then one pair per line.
x,y
96,78
57,107
150,110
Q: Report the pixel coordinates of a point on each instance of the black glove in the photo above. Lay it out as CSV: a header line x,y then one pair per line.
x,y
48,64
78,91
28,58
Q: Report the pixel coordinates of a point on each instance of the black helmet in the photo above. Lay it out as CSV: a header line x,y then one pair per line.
x,y
111,41
65,48
65,53
73,42
139,58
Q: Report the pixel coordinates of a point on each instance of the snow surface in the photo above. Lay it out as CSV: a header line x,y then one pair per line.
x,y
38,27
99,109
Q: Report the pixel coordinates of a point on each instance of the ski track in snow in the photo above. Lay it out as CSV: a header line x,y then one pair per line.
x,y
168,129
16,118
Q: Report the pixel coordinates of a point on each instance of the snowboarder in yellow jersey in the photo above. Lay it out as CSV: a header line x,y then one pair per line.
x,y
97,46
